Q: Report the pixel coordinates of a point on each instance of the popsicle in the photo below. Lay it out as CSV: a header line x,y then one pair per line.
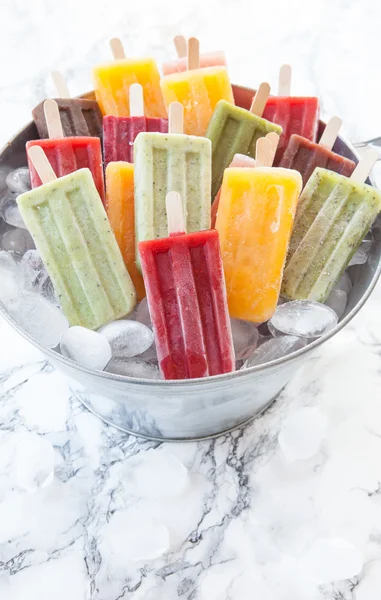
x,y
171,162
112,81
334,214
78,116
72,233
207,59
198,90
254,220
294,114
304,156
119,133
234,130
66,155
121,213
187,299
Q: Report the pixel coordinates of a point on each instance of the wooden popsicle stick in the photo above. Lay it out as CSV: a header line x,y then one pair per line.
x,y
365,166
53,119
193,53
117,48
259,101
330,133
264,154
136,100
180,45
60,83
176,118
284,83
274,141
175,213
41,164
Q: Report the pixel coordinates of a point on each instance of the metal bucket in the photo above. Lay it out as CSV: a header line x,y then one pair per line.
x,y
198,408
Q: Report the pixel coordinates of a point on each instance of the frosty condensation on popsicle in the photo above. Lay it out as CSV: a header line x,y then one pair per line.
x,y
119,133
207,59
78,116
171,162
304,156
334,214
73,236
113,80
254,220
234,130
67,155
187,299
294,114
121,213
198,90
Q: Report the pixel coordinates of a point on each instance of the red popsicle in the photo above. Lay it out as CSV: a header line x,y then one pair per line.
x,y
69,154
119,133
186,296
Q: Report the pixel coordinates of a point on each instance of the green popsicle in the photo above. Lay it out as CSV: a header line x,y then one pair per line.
x,y
333,216
73,235
234,130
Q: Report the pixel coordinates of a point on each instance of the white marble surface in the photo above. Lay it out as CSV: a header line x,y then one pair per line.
x,y
227,519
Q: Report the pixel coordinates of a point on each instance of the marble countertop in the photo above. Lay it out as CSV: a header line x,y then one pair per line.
x,y
230,518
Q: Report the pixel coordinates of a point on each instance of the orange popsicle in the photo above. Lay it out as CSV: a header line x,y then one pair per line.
x,y
255,217
121,213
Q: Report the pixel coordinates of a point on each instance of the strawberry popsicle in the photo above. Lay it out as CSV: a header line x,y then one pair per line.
x,y
112,82
119,133
187,299
67,154
121,213
207,59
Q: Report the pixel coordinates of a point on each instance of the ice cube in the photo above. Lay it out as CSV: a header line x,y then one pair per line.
x,y
36,277
361,256
344,283
245,337
17,240
9,278
274,348
32,465
158,474
19,180
331,559
304,318
88,348
302,434
142,313
40,318
10,211
337,300
127,338
133,368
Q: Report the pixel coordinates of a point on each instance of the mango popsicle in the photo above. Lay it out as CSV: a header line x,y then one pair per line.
x,y
199,91
334,214
234,130
121,213
171,162
112,81
254,220
72,233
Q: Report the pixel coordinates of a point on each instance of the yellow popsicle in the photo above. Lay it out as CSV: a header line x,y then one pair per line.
x,y
112,82
255,218
121,214
198,90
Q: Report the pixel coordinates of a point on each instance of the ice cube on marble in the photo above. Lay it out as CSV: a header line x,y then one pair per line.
x,y
331,559
86,347
18,181
302,434
158,474
142,313
337,300
361,255
42,320
344,283
133,368
127,338
245,337
9,279
32,465
10,211
274,348
17,240
304,318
